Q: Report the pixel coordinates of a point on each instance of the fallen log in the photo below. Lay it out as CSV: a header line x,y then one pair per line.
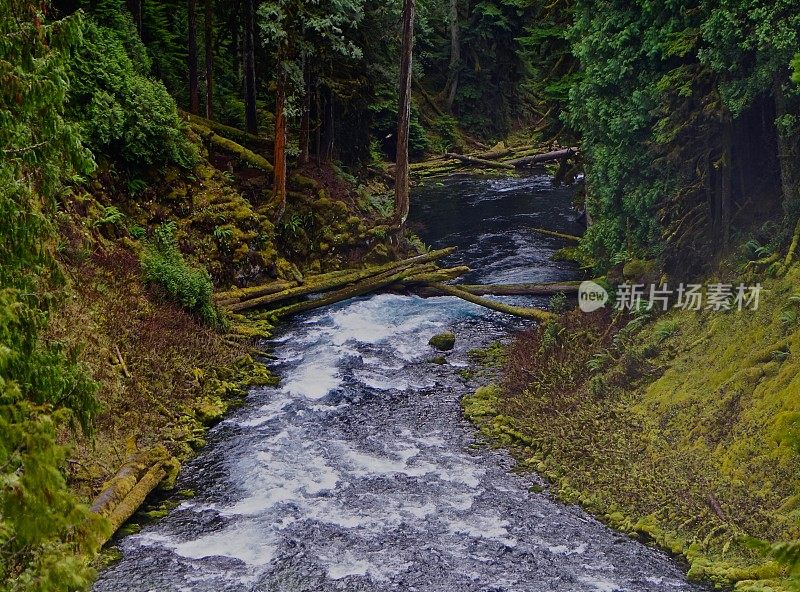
x,y
240,294
568,288
439,275
228,131
366,286
480,161
564,235
546,157
127,490
311,287
517,311
227,145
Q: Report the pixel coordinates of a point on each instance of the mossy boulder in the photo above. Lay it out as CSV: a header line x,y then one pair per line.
x,y
641,271
443,341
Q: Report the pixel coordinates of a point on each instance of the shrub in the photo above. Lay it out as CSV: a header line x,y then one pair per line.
x,y
164,266
124,112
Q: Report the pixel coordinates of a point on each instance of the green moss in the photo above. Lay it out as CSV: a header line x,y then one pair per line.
x,y
443,341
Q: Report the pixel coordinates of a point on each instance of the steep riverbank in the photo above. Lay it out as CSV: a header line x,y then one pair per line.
x,y
680,429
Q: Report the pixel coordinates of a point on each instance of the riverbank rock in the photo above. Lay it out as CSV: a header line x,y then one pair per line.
x,y
443,341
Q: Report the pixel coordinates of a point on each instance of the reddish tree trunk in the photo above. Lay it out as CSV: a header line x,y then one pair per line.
x,y
280,143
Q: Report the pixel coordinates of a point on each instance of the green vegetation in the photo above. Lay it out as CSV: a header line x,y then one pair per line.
x,y
164,265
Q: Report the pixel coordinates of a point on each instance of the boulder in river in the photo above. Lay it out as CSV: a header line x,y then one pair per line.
x,y
443,341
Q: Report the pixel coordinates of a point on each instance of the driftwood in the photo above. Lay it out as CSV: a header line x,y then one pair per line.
x,y
439,275
339,281
517,311
546,157
127,490
231,147
564,235
480,161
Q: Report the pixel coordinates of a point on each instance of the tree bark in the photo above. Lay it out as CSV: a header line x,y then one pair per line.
x,y
135,8
208,23
251,124
305,116
401,185
194,94
279,187
788,157
451,87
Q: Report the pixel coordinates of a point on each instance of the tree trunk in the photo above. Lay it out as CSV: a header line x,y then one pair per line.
x,y
209,39
280,141
451,88
135,7
305,116
318,123
401,185
789,158
194,94
251,124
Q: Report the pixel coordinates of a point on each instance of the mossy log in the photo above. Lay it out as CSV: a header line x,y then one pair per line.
x,y
327,284
564,235
244,154
240,294
480,161
227,131
787,263
127,490
546,157
517,311
550,289
440,275
371,284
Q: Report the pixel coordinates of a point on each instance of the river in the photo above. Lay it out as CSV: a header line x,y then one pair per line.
x,y
359,473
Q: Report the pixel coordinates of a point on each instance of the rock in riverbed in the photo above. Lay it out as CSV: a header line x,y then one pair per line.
x,y
443,341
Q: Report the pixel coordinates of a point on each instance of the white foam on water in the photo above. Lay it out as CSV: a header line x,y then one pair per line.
x,y
566,550
483,526
601,584
244,542
289,469
266,413
380,382
378,567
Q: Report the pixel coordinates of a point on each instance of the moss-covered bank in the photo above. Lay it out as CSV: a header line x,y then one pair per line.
x,y
680,429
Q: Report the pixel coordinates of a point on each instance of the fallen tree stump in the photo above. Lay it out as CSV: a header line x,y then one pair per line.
x,y
228,131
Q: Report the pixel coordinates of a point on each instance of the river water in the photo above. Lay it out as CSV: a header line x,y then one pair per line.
x,y
359,473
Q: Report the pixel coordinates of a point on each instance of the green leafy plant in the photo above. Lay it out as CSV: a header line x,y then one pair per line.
x,y
110,215
164,266
558,303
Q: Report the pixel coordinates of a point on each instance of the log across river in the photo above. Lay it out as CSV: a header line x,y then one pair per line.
x,y
358,472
